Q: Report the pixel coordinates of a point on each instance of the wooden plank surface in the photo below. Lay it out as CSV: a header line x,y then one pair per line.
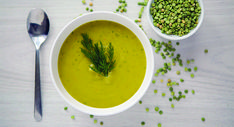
x,y
213,83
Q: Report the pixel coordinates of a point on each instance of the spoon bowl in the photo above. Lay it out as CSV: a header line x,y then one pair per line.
x,y
38,28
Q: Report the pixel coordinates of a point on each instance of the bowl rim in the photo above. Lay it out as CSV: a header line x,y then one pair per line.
x,y
175,37
108,16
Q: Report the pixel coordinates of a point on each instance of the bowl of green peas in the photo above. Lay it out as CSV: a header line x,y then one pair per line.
x,y
175,19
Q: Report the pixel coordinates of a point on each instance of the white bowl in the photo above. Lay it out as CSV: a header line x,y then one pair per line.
x,y
109,16
175,37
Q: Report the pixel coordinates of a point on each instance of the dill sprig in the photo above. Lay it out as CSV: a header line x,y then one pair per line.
x,y
101,57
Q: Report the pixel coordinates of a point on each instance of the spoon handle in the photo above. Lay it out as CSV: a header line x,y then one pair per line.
x,y
37,99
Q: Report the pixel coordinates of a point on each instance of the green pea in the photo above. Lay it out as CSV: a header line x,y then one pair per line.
x,y
192,75
83,2
140,102
147,109
156,109
195,69
178,72
193,91
160,112
155,91
170,99
172,106
156,74
189,69
142,123
95,121
203,119
181,80
159,125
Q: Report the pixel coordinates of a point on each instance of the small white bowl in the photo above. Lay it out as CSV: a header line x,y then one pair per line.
x,y
109,16
174,37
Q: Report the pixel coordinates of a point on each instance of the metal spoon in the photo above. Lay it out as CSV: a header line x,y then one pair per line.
x,y
38,28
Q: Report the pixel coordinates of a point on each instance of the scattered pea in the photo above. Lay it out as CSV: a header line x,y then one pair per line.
x,y
189,69
65,108
90,3
181,80
206,50
193,91
186,91
170,99
173,64
188,61
163,94
172,106
155,91
147,109
87,8
95,121
178,72
171,89
142,123
156,74
159,125
140,102
101,123
83,2
91,116
195,68
177,43
142,3
72,117
156,109
160,112
192,75
161,80
185,69
169,80
203,119
153,81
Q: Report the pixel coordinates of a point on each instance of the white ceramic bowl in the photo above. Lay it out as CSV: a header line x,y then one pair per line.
x,y
109,16
174,37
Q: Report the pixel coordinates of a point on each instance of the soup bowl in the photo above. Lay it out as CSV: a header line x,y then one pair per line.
x,y
106,16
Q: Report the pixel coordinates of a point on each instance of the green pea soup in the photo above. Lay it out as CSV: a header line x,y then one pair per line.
x,y
91,88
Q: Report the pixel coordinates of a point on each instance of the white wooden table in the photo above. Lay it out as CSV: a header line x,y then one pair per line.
x,y
213,83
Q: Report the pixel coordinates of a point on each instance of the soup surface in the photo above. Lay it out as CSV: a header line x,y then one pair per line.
x,y
91,88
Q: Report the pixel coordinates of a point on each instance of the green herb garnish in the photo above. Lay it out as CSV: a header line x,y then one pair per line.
x,y
101,57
